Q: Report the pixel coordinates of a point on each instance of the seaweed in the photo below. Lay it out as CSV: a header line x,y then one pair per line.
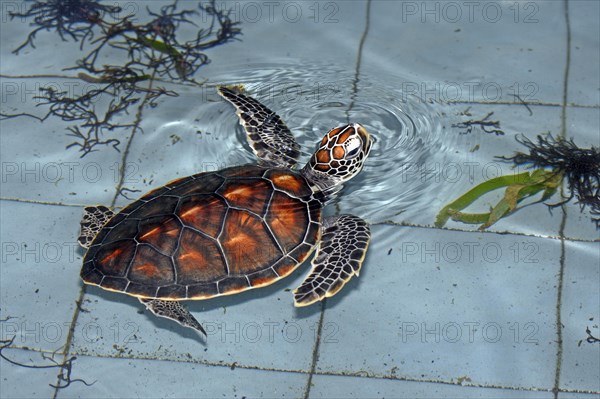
x,y
74,19
552,160
488,126
150,50
579,166
66,367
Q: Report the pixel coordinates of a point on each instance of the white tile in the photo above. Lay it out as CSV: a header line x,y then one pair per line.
x,y
40,273
167,379
43,58
584,81
578,395
329,386
580,310
24,382
37,166
288,32
445,305
466,45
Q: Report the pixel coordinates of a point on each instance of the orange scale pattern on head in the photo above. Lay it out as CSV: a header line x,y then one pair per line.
x,y
344,136
338,152
333,132
323,156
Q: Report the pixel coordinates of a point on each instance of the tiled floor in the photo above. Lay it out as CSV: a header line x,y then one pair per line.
x,y
436,313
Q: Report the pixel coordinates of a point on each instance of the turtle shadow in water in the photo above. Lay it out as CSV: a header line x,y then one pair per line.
x,y
137,312
280,290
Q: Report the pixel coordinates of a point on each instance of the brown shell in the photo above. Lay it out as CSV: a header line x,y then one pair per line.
x,y
208,234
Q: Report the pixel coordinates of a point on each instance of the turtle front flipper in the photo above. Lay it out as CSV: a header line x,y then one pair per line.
x,y
267,134
94,217
340,254
173,310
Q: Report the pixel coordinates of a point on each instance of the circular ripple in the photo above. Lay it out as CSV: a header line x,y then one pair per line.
x,y
409,136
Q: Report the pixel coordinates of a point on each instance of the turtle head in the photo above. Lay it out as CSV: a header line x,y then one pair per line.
x,y
340,156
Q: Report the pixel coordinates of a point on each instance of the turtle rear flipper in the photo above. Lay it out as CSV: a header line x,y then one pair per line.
x,y
267,134
173,310
340,254
94,217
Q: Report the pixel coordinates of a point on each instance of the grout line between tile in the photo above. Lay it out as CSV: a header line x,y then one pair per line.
x,y
498,232
561,231
563,116
363,38
82,292
378,223
358,374
213,85
38,202
315,354
356,79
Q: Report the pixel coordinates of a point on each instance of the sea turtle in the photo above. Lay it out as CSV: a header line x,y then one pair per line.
x,y
220,233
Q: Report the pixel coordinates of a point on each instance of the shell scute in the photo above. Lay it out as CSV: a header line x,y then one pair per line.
x,y
149,267
233,284
247,243
198,259
291,183
202,291
252,195
116,283
204,213
113,259
202,183
162,205
285,266
243,171
139,290
161,232
126,229
172,292
288,219
262,277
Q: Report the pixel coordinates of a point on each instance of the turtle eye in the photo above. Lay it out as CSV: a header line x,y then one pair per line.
x,y
352,153
352,147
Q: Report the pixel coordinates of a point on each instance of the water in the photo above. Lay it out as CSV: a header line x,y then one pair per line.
x,y
408,132
433,309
